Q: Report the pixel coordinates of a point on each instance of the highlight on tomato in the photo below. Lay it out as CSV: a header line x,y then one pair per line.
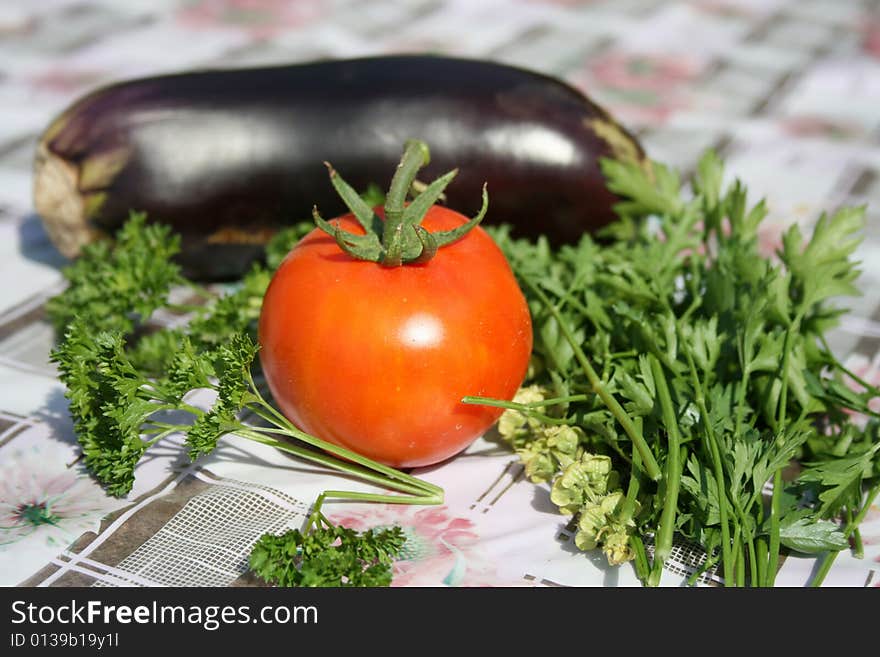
x,y
380,321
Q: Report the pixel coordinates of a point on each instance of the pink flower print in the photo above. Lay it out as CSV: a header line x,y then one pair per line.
x,y
643,72
638,88
68,82
262,19
817,126
440,549
871,38
565,3
724,8
40,494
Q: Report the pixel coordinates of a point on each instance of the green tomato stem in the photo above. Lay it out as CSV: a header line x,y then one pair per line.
x,y
415,156
402,239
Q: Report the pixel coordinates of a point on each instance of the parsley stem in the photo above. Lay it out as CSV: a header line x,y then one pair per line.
x,y
161,434
650,462
418,491
740,404
632,491
169,406
851,526
628,510
381,497
318,515
708,563
672,478
260,412
753,564
858,548
761,560
748,540
775,513
726,556
392,473
526,409
641,564
277,417
739,558
691,309
843,368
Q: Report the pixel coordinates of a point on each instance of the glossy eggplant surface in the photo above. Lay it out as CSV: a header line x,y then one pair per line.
x,y
227,157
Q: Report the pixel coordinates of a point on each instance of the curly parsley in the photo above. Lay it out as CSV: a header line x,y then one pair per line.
x,y
127,386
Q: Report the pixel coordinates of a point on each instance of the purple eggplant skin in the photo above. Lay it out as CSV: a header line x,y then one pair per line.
x,y
227,157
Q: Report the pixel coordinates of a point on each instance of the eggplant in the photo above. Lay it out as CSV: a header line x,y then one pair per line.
x,y
227,157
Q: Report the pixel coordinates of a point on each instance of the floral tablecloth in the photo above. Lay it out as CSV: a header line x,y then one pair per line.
x,y
788,91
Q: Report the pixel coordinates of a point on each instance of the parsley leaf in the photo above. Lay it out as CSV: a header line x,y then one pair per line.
x,y
802,533
117,285
327,556
108,403
838,482
739,338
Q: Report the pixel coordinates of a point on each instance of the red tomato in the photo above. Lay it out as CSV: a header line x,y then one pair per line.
x,y
377,359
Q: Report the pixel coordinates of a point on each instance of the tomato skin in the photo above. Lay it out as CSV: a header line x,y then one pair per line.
x,y
377,359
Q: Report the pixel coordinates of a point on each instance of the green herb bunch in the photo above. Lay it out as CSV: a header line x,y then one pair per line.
x,y
683,384
324,554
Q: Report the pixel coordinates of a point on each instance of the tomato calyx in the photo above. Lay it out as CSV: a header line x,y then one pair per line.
x,y
400,238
